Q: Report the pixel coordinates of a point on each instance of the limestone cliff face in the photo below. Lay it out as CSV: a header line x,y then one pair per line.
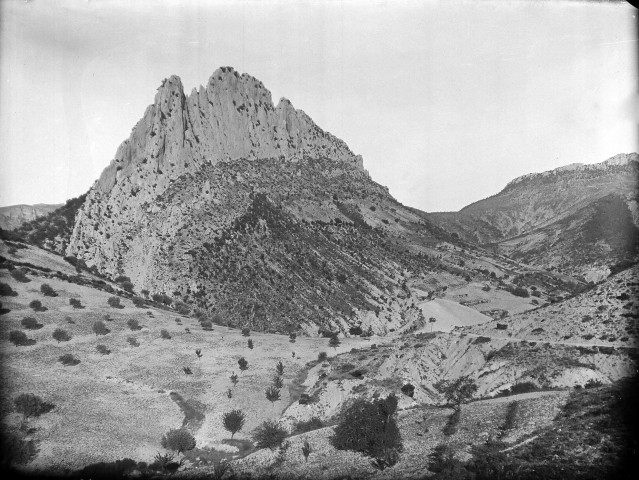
x,y
232,117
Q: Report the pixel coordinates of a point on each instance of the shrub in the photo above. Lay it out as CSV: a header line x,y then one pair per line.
x,y
246,332
272,394
234,379
178,440
355,330
99,328
20,339
102,349
182,308
138,302
20,275
75,303
30,323
68,360
115,302
61,335
46,289
128,286
36,305
132,341
269,435
291,337
165,334
133,324
7,291
509,420
519,292
30,405
322,356
207,325
334,342
370,428
233,421
481,339
250,344
279,368
314,423
501,326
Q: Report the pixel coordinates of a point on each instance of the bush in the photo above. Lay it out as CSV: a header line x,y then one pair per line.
x,y
370,428
61,335
75,303
408,390
207,325
20,339
128,286
519,292
165,334
132,341
246,332
272,393
314,423
178,440
133,324
99,328
250,344
46,289
322,356
355,330
278,382
269,435
7,291
102,349
233,421
243,363
30,323
36,305
138,302
30,405
68,360
20,275
334,342
115,302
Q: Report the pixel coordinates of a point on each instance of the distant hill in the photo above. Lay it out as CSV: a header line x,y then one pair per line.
x,y
580,220
15,215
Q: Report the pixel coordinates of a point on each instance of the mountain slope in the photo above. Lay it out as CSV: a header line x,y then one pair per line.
x,y
578,219
15,215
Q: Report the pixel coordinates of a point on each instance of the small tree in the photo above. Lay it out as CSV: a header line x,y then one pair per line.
x,y
234,379
306,450
250,344
46,289
243,363
102,349
178,440
198,352
334,342
30,405
291,337
115,302
165,334
207,325
229,393
322,356
269,435
272,394
279,368
233,421
145,292
457,391
61,335
20,275
132,341
99,328
246,332
432,320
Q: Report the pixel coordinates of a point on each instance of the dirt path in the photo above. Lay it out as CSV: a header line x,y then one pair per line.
x,y
521,396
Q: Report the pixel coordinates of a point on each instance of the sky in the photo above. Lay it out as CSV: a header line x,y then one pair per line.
x,y
447,101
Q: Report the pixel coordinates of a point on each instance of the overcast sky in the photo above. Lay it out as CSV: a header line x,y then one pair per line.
x,y
446,101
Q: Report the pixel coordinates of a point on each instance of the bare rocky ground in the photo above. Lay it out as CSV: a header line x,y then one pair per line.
x,y
110,407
